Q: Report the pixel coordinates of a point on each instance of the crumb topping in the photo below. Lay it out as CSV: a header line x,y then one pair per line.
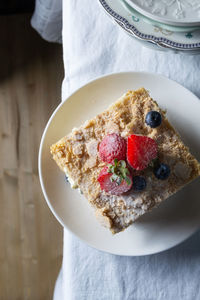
x,y
78,154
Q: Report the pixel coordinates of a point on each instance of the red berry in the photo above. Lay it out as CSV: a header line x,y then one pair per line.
x,y
113,187
112,146
141,150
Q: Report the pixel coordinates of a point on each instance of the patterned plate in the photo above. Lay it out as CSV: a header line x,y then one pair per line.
x,y
156,23
173,12
138,28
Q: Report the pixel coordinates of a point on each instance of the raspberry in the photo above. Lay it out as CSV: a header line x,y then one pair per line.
x,y
112,146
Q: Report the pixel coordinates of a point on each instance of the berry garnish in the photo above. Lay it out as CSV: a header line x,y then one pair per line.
x,y
161,171
66,178
141,151
153,119
139,183
115,179
112,146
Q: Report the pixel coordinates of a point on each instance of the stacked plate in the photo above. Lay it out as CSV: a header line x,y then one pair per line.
x,y
160,24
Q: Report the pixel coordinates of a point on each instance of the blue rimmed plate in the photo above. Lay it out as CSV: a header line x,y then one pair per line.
x,y
150,21
188,43
172,12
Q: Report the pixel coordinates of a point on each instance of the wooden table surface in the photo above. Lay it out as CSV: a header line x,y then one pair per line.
x,y
31,74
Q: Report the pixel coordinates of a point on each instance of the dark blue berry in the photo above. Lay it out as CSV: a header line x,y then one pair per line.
x,y
153,119
162,171
66,178
139,183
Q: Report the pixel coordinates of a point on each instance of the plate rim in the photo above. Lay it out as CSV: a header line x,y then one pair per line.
x,y
40,172
159,41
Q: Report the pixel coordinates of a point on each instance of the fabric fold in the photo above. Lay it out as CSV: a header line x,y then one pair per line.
x,y
94,46
47,19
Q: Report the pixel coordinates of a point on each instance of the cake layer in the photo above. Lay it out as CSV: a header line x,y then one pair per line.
x,y
77,155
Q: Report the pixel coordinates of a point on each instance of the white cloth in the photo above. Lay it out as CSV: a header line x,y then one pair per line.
x,y
47,19
93,46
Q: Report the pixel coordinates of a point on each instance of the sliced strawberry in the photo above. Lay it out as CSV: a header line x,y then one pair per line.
x,y
122,188
112,146
114,184
141,150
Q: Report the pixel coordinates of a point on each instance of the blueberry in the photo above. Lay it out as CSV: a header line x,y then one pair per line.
x,y
66,178
139,183
162,171
153,119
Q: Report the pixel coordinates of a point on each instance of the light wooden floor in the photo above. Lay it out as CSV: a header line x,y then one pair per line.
x,y
31,73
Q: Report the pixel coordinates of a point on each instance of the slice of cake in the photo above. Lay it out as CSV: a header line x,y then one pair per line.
x,y
126,160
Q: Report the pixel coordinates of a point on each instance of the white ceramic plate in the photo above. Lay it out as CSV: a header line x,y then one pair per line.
x,y
173,12
176,219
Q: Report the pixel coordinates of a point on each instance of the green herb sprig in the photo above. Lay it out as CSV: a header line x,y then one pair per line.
x,y
119,172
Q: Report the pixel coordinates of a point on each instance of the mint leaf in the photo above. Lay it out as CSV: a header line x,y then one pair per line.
x,y
123,172
115,162
128,181
111,169
119,172
123,163
116,178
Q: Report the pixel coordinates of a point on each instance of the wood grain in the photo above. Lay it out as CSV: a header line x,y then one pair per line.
x,y
31,73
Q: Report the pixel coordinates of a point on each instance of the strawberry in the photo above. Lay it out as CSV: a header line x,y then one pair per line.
x,y
112,146
141,150
115,179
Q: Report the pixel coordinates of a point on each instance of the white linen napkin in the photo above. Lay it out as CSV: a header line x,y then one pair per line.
x,y
47,19
93,46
